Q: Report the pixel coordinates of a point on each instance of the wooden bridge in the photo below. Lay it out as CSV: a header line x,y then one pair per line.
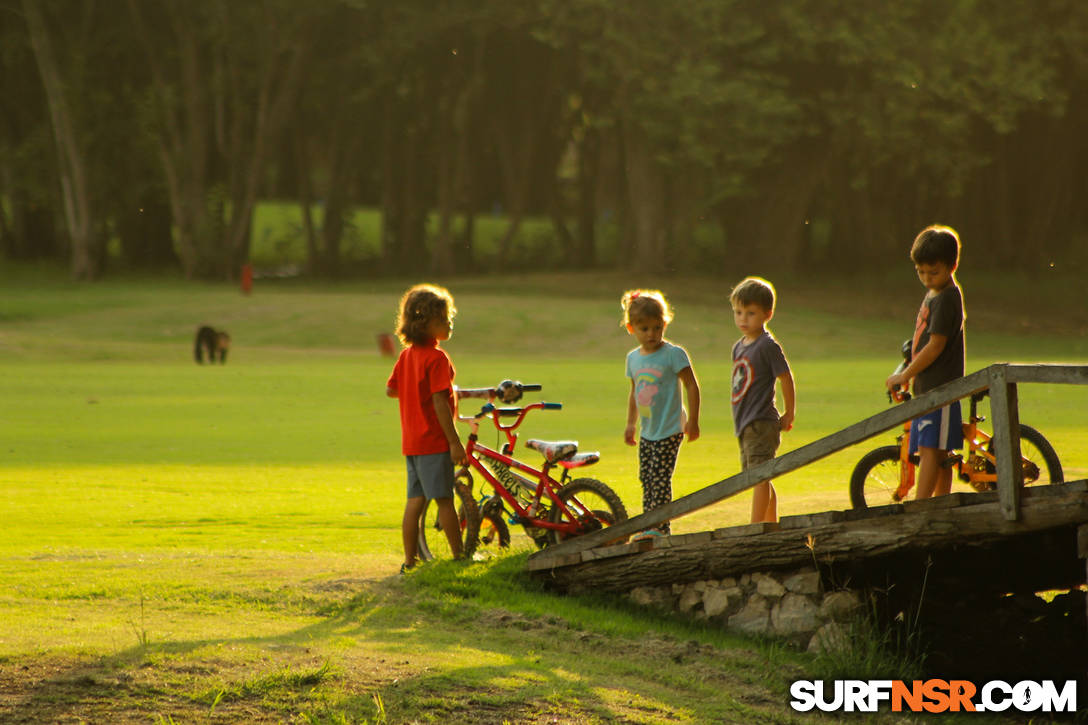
x,y
853,538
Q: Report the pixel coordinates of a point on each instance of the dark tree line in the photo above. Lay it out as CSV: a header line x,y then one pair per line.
x,y
806,132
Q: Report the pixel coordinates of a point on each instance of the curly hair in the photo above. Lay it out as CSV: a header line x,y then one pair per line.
x,y
642,303
421,305
753,291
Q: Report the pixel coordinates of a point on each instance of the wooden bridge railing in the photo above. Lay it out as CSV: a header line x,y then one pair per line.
x,y
1000,379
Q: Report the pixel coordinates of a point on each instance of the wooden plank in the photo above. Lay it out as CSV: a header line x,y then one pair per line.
x,y
1055,489
730,532
1006,439
553,562
952,500
607,552
1072,374
936,398
873,512
807,521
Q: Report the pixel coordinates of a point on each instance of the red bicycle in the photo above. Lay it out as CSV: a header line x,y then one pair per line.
x,y
549,510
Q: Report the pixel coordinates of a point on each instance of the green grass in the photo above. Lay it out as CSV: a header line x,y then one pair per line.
x,y
279,237
192,543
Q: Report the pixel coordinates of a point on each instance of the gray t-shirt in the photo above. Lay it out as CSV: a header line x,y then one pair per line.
x,y
941,314
756,366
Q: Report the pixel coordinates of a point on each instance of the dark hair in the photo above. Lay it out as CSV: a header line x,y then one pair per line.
x,y
419,306
754,291
936,244
641,303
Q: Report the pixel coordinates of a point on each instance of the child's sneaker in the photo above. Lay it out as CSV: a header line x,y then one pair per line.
x,y
646,535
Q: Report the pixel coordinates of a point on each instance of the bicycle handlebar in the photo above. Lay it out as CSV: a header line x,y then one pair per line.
x,y
508,391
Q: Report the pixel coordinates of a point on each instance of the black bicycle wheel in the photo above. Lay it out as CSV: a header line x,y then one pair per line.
x,y
468,513
493,529
593,503
1041,464
875,478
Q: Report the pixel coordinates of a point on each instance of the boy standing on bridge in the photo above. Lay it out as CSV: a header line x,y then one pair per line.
x,y
937,356
758,361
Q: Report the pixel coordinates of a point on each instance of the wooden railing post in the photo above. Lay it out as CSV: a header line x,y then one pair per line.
x,y
1005,416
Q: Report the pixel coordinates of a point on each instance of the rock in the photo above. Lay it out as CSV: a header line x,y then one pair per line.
x,y
840,605
803,582
727,583
689,598
832,637
717,601
656,597
754,618
767,585
795,614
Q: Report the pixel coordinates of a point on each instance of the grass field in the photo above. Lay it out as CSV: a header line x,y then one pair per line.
x,y
218,544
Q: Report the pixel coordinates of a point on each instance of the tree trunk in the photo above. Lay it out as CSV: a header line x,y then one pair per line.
x,y
589,162
87,242
646,199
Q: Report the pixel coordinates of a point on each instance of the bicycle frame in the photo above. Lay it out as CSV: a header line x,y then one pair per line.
x,y
571,523
978,469
545,485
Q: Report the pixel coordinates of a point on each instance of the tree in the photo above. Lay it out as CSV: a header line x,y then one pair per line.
x,y
86,237
224,80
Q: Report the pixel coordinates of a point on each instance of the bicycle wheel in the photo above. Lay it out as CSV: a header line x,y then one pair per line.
x,y
1041,464
593,503
493,529
468,513
875,478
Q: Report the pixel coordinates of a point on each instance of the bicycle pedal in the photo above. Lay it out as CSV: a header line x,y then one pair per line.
x,y
952,461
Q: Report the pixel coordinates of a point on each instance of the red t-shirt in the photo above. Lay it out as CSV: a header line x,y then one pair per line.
x,y
420,372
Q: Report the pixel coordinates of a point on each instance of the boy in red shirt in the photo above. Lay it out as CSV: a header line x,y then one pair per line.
x,y
422,382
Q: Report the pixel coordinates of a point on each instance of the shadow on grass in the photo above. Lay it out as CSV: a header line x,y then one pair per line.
x,y
448,643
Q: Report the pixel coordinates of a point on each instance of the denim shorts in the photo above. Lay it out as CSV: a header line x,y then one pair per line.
x,y
758,442
941,429
430,476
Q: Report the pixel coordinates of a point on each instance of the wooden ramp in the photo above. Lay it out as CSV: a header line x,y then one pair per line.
x,y
1043,549
1027,517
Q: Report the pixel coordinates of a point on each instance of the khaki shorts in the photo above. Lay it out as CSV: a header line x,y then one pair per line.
x,y
758,442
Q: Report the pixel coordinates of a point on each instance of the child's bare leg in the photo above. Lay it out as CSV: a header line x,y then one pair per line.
x,y
944,477
409,529
451,524
764,503
929,472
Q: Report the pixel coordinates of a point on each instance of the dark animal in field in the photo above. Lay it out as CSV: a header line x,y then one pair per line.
x,y
214,342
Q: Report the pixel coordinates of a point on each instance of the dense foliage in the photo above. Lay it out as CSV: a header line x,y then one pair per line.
x,y
803,132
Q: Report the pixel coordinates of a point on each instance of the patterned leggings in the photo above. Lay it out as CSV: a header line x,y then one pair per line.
x,y
656,462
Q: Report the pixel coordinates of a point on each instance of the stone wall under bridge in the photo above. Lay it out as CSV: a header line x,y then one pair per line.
x,y
791,605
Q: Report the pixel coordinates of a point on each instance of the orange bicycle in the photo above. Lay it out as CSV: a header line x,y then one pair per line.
x,y
886,474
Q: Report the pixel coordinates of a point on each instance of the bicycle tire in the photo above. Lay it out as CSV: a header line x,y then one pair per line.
x,y
1041,467
602,501
875,478
468,514
493,528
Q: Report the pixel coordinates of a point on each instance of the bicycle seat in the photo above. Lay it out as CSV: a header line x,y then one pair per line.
x,y
581,459
553,451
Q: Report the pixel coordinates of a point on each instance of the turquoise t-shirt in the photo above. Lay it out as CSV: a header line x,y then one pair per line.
x,y
657,389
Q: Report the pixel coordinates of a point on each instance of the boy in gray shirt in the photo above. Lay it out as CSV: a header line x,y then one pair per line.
x,y
758,361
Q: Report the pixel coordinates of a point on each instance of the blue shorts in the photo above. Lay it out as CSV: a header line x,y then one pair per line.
x,y
941,429
430,476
